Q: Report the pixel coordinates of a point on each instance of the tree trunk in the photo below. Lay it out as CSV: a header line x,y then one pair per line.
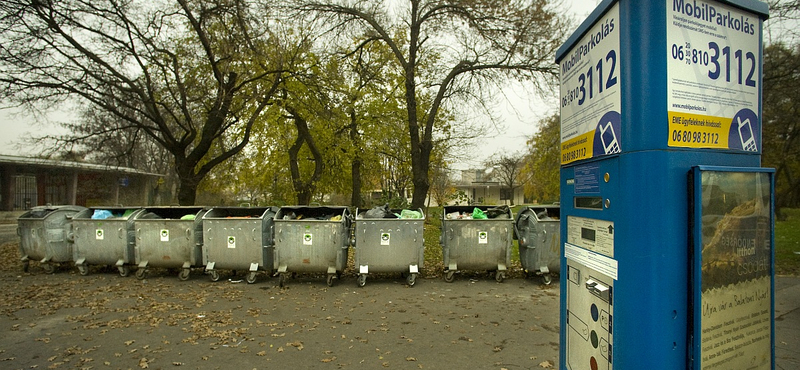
x,y
303,189
187,190
420,149
420,163
355,167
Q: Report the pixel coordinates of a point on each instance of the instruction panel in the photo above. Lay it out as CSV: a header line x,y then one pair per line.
x,y
592,234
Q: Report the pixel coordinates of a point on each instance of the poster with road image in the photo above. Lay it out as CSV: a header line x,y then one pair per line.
x,y
734,310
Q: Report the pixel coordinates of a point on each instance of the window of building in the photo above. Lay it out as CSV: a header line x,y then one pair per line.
x,y
24,192
56,190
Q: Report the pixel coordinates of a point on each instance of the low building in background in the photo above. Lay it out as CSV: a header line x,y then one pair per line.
x,y
28,182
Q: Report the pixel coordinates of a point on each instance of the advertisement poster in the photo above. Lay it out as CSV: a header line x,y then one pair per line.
x,y
590,92
713,76
734,310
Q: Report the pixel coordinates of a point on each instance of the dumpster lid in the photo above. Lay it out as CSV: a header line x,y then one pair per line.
x,y
44,211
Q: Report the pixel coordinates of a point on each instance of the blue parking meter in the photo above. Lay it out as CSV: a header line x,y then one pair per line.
x,y
666,224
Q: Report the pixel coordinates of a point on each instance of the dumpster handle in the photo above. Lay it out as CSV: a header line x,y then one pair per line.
x,y
139,233
451,234
119,233
19,231
188,233
254,233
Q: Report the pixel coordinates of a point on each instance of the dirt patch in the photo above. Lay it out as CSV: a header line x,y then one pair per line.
x,y
68,321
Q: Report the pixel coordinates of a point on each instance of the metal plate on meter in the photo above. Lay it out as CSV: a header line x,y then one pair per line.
x,y
591,272
590,310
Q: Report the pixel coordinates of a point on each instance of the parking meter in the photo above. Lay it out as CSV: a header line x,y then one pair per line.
x,y
666,214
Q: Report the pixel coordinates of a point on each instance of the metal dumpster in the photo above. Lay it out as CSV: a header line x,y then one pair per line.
x,y
476,244
311,240
538,231
238,238
45,234
107,239
393,243
169,237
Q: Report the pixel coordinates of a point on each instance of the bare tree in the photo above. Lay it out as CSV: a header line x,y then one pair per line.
x,y
452,49
192,76
506,168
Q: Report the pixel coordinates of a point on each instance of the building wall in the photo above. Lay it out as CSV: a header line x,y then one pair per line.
x,y
22,187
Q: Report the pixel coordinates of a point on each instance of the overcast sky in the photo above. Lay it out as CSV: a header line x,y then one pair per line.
x,y
519,115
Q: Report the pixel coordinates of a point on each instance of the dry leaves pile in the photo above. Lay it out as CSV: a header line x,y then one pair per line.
x,y
158,314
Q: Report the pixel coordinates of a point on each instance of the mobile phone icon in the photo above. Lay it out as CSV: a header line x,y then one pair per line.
x,y
746,135
609,139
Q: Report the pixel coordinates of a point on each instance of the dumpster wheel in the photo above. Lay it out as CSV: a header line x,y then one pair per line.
x,y
251,277
83,270
48,268
330,279
141,273
184,275
362,280
499,276
411,279
282,280
26,266
214,275
449,276
547,279
123,271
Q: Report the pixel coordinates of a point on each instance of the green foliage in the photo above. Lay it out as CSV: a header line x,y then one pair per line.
x,y
394,201
787,243
781,128
460,197
541,166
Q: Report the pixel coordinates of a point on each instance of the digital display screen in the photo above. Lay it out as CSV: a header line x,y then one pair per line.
x,y
588,234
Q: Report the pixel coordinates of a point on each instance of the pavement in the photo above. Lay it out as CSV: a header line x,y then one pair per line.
x,y
8,233
787,322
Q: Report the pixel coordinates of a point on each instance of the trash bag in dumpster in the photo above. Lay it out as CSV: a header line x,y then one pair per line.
x,y
409,214
101,214
379,212
498,212
477,214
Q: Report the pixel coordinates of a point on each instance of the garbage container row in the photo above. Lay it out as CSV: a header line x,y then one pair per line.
x,y
287,240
